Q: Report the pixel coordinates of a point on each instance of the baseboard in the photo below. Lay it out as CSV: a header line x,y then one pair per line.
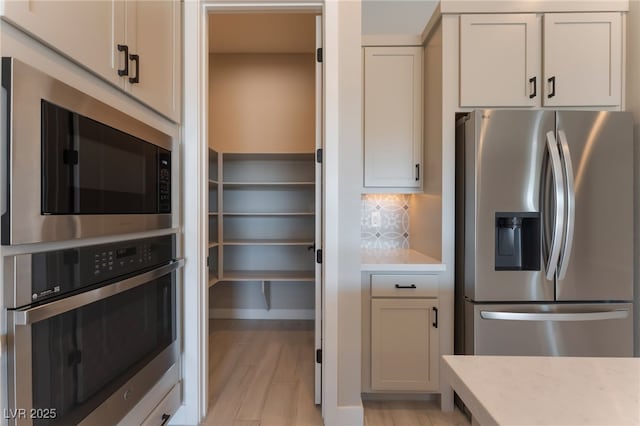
x,y
271,314
400,397
350,415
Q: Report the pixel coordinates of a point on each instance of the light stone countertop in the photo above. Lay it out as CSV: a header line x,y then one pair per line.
x,y
501,390
398,260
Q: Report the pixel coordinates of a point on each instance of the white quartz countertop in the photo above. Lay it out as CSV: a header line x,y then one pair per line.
x,y
501,390
399,260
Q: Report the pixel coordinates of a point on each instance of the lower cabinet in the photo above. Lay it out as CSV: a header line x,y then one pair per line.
x,y
404,344
404,333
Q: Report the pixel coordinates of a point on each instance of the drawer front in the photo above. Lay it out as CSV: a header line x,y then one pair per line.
x,y
404,285
165,409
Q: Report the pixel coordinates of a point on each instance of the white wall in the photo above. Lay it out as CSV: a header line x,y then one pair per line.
x,y
633,105
396,16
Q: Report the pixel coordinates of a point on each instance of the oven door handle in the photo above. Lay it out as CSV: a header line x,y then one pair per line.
x,y
40,313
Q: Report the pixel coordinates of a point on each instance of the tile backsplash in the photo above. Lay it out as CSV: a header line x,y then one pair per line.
x,y
393,229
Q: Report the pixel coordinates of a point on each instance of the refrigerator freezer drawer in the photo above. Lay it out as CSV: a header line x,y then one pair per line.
x,y
587,329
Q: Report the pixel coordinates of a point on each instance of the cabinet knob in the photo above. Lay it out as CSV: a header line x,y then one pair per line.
x,y
417,172
435,322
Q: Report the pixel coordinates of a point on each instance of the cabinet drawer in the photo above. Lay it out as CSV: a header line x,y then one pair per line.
x,y
167,407
403,285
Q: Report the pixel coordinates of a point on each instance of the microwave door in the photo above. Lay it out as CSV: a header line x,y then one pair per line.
x,y
91,168
77,168
73,165
58,159
116,172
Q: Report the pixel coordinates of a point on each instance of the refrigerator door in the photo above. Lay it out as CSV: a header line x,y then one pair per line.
x,y
596,261
505,155
588,329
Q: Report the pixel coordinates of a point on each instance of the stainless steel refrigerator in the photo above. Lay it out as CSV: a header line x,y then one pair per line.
x,y
544,233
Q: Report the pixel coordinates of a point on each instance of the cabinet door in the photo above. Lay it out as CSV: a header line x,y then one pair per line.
x,y
153,33
86,31
582,59
392,116
499,60
404,344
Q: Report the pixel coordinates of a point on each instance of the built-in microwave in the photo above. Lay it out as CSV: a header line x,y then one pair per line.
x,y
74,167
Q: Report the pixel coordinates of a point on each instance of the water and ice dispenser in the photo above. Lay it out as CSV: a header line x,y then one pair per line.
x,y
517,241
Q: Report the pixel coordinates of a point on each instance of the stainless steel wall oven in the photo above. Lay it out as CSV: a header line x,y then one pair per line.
x,y
74,167
90,330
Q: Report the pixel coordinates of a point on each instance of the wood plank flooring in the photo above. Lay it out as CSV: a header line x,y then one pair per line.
x,y
261,374
410,413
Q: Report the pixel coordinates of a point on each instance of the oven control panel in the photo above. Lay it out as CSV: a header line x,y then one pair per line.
x,y
123,259
58,272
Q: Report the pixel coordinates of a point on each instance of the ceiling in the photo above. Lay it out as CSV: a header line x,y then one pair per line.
x,y
396,16
262,33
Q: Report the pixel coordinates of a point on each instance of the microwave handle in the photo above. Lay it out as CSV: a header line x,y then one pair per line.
x,y
40,313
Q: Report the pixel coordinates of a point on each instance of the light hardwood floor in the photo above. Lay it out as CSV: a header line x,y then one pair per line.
x,y
261,374
410,413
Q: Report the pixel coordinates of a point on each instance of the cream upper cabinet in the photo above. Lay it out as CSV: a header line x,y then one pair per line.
x,y
393,117
86,31
582,59
499,60
404,344
153,34
504,62
134,44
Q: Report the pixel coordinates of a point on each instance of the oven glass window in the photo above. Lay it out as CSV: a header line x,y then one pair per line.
x,y
81,357
91,168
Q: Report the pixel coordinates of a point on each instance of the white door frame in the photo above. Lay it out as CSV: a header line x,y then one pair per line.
x,y
195,145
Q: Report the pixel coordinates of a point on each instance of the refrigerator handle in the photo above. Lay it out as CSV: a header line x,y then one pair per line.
x,y
555,316
570,204
558,225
